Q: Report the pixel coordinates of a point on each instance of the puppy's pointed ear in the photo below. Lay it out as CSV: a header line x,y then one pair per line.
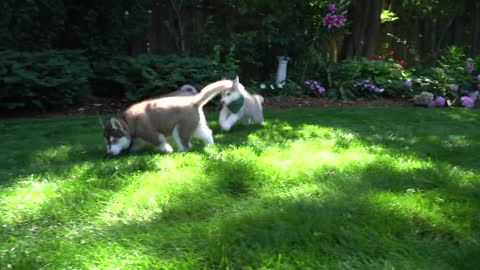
x,y
115,123
235,83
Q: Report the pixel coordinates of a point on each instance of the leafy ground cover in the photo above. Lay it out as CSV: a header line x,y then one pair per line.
x,y
364,188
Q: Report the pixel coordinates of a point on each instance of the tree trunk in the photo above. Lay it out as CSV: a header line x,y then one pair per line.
x,y
366,24
476,29
373,34
177,8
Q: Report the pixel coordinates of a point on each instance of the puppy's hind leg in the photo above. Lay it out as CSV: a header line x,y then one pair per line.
x,y
157,139
181,136
164,147
204,133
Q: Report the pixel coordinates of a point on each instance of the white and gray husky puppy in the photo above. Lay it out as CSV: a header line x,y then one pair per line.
x,y
238,104
152,121
185,90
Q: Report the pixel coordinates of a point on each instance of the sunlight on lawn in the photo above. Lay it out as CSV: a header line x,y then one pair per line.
x,y
254,191
25,199
318,150
426,208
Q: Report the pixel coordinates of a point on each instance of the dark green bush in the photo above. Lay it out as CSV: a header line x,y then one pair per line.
x,y
100,27
42,80
147,76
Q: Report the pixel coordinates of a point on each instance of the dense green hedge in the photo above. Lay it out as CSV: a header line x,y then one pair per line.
x,y
54,79
149,75
42,80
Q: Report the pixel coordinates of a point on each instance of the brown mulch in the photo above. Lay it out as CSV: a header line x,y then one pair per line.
x,y
306,102
114,105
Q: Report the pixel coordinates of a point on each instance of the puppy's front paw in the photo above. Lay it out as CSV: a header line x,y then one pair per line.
x,y
225,128
166,148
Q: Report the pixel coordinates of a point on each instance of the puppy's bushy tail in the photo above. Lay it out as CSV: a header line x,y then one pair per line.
x,y
259,98
210,91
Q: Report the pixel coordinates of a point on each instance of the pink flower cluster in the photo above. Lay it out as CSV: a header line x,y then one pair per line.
x,y
332,19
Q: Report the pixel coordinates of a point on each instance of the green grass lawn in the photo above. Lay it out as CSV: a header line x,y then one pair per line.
x,y
383,188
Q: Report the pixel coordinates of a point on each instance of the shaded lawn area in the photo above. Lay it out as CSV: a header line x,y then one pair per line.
x,y
376,188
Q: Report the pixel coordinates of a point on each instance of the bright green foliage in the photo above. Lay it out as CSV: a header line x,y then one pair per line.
x,y
146,76
42,80
383,188
388,16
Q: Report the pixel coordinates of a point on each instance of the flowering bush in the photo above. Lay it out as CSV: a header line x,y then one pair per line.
x,y
454,79
388,55
439,101
369,86
426,99
333,19
467,101
452,83
385,74
456,70
314,87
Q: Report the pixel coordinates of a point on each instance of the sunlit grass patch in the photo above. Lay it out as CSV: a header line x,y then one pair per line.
x,y
360,188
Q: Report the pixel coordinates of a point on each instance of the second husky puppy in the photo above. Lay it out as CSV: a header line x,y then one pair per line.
x,y
152,121
238,104
185,90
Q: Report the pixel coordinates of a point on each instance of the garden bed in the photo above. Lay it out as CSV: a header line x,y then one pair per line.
x,y
112,105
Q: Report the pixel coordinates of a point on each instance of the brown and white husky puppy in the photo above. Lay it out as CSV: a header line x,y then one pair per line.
x,y
152,121
239,105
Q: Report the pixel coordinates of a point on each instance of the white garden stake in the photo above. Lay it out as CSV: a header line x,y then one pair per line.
x,y
282,70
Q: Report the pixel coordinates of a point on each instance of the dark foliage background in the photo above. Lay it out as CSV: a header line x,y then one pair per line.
x,y
239,36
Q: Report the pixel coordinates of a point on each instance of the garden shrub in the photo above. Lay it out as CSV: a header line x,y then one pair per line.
x,y
147,75
42,80
359,78
453,78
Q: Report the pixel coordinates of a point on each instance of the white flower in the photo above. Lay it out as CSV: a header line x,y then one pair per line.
x,y
149,11
127,13
280,85
262,86
271,86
